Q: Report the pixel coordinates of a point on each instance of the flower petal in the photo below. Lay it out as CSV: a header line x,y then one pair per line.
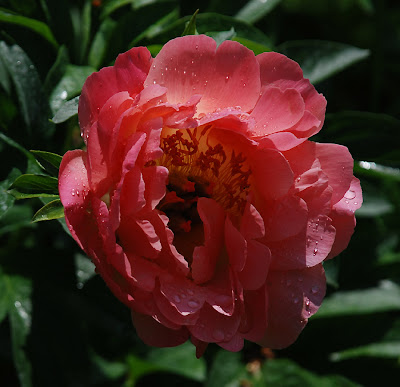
x,y
225,77
294,296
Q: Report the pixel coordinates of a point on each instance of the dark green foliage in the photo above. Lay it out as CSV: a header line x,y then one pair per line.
x,y
59,324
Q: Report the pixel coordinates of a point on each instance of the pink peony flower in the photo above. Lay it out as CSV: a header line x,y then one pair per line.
x,y
199,198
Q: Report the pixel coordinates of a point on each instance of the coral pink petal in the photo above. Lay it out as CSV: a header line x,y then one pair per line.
x,y
294,296
343,217
128,74
284,218
186,297
277,110
282,141
205,257
214,327
254,273
271,173
155,178
133,192
225,77
337,164
234,345
73,181
156,334
252,224
236,246
138,236
275,66
308,248
254,321
201,346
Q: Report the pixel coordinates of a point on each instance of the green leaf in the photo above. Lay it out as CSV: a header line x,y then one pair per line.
x,y
255,10
221,36
383,298
284,372
52,210
37,26
36,185
52,158
157,28
16,294
377,170
4,77
69,86
179,360
84,269
112,5
190,27
33,166
57,70
15,218
358,131
66,111
226,370
100,43
31,98
386,350
374,205
111,369
257,48
7,200
322,59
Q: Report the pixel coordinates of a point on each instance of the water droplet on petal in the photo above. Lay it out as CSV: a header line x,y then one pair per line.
x,y
350,194
17,304
177,299
314,289
218,335
315,252
190,292
296,300
193,303
196,47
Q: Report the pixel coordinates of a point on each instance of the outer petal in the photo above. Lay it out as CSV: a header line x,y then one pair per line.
x,y
156,334
225,77
337,164
128,74
343,217
277,110
293,296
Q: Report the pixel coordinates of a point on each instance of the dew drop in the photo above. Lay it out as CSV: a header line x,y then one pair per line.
x,y
196,47
315,252
177,299
218,335
18,62
193,303
244,84
350,194
307,304
314,289
227,78
17,304
184,72
296,300
190,292
64,94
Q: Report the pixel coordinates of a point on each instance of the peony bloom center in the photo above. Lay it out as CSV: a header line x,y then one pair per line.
x,y
200,165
